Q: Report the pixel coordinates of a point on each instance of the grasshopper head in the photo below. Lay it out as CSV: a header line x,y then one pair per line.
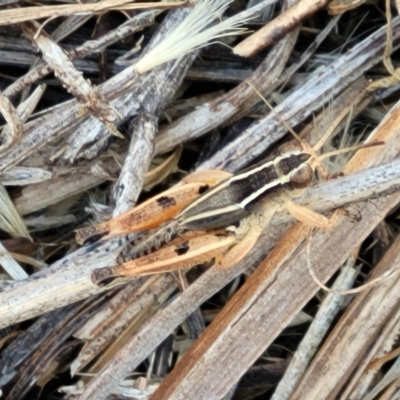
x,y
295,164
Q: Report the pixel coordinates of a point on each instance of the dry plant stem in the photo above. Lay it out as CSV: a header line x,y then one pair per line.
x,y
287,74
361,325
31,340
24,246
184,106
65,282
131,179
47,222
387,61
64,183
312,95
152,92
68,26
66,117
73,80
341,6
149,302
162,171
47,353
141,150
239,100
306,55
391,376
10,220
244,97
26,108
221,73
397,3
214,113
26,59
316,332
230,394
372,360
293,109
277,28
49,188
13,131
360,185
17,15
44,129
10,1
8,263
129,27
113,309
20,176
132,300
359,385
348,100
390,392
157,55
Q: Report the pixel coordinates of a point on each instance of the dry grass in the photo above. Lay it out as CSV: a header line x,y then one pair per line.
x,y
106,104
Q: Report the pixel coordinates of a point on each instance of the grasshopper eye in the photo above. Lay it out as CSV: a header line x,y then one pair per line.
x,y
302,177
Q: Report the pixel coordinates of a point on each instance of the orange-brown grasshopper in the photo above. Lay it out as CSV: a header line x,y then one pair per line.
x,y
210,213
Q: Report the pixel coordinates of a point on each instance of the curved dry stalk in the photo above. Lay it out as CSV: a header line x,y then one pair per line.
x,y
133,172
113,88
265,132
316,332
136,23
14,15
278,27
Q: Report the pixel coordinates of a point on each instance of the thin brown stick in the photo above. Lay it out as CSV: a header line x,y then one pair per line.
x,y
277,28
14,16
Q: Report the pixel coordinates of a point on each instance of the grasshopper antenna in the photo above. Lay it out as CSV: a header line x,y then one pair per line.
x,y
313,149
278,116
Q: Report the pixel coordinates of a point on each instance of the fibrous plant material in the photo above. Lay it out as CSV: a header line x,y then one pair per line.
x,y
153,107
13,16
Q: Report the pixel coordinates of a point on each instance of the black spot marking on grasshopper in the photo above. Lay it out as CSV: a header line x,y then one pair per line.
x,y
203,189
182,249
166,202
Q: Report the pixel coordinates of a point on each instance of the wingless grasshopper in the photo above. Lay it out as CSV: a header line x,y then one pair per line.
x,y
211,211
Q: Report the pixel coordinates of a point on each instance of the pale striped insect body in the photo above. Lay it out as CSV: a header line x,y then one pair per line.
x,y
234,199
